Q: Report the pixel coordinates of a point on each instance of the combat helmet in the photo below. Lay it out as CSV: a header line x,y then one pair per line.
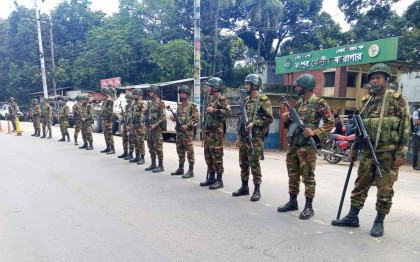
x,y
380,68
35,100
137,91
306,81
154,88
254,79
216,84
128,95
106,90
185,89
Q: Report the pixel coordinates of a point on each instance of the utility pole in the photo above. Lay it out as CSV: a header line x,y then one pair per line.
x,y
197,53
41,52
52,57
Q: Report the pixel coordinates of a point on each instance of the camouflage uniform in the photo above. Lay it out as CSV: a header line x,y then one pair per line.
x,y
128,141
301,157
188,114
64,122
107,114
138,129
263,118
46,120
13,111
214,134
77,115
393,142
87,114
37,119
155,138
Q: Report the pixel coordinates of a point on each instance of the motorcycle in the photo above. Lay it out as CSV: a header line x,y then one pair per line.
x,y
337,148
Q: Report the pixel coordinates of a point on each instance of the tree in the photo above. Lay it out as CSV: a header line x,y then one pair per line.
x,y
354,9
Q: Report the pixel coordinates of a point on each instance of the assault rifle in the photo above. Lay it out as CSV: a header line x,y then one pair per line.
x,y
148,120
243,120
123,116
296,119
203,118
177,120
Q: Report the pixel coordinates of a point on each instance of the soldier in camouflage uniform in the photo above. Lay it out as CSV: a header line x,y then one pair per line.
x,y
126,139
13,112
386,110
187,113
46,119
87,119
77,115
64,120
301,156
260,116
217,110
137,127
107,114
156,122
36,116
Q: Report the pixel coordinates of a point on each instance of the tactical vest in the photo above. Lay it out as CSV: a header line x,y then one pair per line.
x,y
307,113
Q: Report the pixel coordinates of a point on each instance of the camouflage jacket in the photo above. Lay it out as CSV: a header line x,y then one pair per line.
x,y
36,111
107,110
158,112
216,121
77,111
138,109
47,112
87,112
13,108
188,114
65,112
263,113
311,112
395,129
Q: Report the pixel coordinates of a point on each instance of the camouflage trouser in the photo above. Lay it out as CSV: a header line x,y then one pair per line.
x,y
107,127
138,139
301,161
37,124
13,119
64,124
46,123
185,145
155,143
87,132
77,128
128,141
213,151
250,158
366,176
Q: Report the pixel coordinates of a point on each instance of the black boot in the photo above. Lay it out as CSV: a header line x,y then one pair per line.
x,y
34,134
141,160
308,211
292,205
210,179
123,155
63,138
38,134
351,220
190,172
179,171
129,156
111,150
257,194
243,190
106,150
152,165
218,184
136,159
159,168
378,226
49,136
68,138
262,156
89,147
75,141
43,135
85,145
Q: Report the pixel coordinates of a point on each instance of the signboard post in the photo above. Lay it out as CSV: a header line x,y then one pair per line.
x,y
355,54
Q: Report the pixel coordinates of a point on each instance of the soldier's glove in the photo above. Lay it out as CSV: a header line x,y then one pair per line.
x,y
398,162
353,155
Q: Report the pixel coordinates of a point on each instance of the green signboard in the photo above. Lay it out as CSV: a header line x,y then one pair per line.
x,y
360,53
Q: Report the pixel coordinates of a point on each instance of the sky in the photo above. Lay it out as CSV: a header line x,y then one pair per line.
x,y
111,6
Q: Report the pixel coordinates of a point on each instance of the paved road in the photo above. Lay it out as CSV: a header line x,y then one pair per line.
x,y
59,203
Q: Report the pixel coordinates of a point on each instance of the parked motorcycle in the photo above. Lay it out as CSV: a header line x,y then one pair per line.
x,y
337,148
